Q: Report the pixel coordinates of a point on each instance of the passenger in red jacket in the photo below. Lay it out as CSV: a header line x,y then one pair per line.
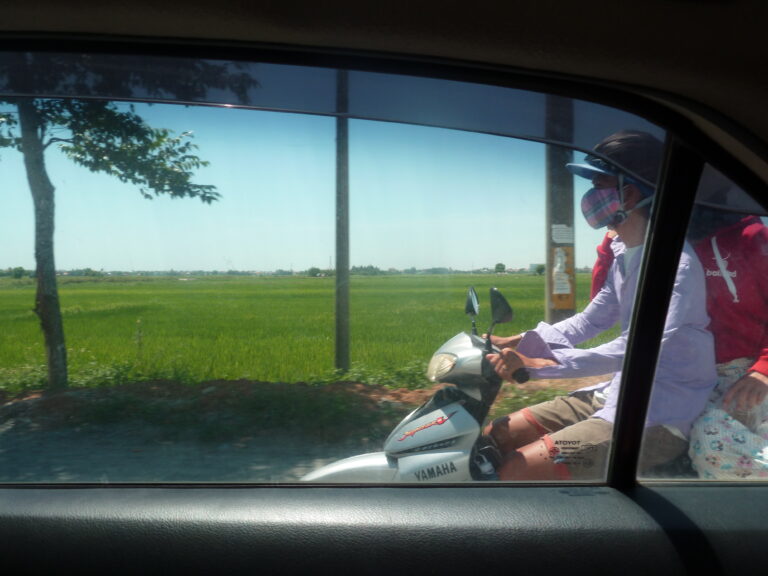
x,y
730,439
735,260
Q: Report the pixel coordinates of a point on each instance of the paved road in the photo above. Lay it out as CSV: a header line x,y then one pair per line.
x,y
129,453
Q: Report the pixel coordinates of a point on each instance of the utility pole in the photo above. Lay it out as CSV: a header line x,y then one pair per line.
x,y
342,221
560,271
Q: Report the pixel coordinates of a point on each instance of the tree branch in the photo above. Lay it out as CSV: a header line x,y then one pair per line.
x,y
54,140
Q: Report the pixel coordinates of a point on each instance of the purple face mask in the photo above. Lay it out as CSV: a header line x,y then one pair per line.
x,y
602,207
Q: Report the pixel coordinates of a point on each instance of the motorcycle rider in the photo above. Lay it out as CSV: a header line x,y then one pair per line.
x,y
569,437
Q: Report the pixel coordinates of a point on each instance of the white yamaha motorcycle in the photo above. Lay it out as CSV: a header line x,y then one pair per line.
x,y
441,441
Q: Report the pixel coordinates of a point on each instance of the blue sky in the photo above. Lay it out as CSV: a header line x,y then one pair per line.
x,y
419,197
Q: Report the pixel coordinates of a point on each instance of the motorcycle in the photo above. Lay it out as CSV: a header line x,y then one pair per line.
x,y
441,440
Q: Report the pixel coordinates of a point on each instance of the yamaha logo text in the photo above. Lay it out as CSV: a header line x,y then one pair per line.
x,y
435,471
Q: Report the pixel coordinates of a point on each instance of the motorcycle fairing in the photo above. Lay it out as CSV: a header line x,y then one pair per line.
x,y
371,467
435,467
451,422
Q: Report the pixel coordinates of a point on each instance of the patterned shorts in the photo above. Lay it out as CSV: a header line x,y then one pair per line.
x,y
724,447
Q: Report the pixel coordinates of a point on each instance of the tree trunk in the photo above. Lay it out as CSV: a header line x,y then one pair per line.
x,y
47,305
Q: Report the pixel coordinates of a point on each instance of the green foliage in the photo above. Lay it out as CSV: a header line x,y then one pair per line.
x,y
8,126
316,272
365,271
410,375
85,272
119,143
17,379
278,329
98,135
499,268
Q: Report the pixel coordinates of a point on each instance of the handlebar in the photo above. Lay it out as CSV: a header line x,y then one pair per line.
x,y
521,376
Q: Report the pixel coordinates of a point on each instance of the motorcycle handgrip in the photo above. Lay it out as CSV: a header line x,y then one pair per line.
x,y
521,376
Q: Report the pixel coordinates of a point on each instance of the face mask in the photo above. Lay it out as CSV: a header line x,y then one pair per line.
x,y
602,207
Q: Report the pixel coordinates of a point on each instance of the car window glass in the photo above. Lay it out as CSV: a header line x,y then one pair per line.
x,y
214,274
726,434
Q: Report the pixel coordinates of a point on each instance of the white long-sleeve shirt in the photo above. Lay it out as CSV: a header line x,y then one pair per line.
x,y
685,371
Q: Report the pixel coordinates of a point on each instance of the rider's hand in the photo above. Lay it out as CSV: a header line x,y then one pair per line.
x,y
505,341
507,362
747,393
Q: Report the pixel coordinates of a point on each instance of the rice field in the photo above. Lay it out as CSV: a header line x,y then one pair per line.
x,y
261,328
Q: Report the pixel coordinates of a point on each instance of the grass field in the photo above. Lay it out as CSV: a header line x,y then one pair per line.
x,y
278,329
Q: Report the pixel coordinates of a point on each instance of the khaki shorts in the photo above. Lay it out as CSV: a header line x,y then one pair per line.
x,y
580,444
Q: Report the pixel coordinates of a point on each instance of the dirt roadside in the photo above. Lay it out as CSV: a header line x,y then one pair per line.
x,y
228,432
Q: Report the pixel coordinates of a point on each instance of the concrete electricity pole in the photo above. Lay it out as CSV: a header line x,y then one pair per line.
x,y
560,272
342,221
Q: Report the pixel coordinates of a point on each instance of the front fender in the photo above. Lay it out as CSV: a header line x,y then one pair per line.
x,y
371,467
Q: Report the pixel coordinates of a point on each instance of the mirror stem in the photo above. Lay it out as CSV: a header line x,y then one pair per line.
x,y
488,345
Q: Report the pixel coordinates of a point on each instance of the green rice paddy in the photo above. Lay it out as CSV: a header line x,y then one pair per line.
x,y
278,329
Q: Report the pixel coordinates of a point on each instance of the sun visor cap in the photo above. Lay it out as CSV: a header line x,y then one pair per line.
x,y
589,172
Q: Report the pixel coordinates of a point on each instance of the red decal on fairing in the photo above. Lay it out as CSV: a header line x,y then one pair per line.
x,y
438,422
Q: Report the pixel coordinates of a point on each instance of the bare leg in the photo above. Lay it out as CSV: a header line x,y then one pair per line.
x,y
512,432
532,462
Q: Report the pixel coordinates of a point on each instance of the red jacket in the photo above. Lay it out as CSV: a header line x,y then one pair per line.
x,y
602,265
739,312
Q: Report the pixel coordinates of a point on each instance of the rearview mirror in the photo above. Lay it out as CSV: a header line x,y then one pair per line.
x,y
472,307
501,311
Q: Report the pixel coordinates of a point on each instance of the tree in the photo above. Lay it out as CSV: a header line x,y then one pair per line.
x,y
101,136
500,268
540,268
369,270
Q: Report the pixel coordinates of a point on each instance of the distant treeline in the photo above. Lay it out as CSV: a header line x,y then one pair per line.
x,y
314,272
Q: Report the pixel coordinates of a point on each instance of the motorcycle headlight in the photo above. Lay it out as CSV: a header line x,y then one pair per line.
x,y
440,365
